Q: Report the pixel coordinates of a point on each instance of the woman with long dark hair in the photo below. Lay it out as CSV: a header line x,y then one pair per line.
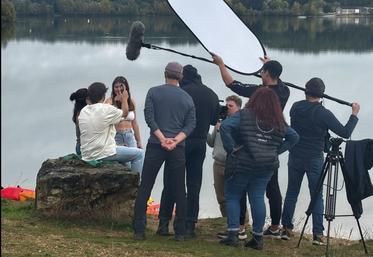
x,y
128,133
253,139
80,101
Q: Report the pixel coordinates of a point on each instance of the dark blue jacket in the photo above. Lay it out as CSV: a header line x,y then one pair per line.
x,y
311,120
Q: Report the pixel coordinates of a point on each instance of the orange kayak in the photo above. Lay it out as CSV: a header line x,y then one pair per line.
x,y
17,193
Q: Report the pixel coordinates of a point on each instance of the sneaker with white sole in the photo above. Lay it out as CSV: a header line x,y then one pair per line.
x,y
286,234
222,235
318,240
242,235
273,234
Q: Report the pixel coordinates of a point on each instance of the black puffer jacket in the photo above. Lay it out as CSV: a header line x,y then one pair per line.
x,y
260,148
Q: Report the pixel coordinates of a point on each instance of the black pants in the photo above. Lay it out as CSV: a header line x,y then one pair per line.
x,y
243,208
155,155
195,152
273,194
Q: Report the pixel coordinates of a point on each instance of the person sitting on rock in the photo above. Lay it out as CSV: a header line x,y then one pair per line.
x,y
97,130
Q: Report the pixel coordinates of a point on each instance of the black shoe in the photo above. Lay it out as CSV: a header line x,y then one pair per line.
x,y
190,234
163,228
139,236
256,242
273,234
190,230
163,232
222,235
231,239
179,238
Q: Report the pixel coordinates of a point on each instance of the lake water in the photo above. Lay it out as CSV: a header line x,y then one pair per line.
x,y
45,60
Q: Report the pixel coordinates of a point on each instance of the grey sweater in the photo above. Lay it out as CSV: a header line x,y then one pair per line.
x,y
218,153
169,109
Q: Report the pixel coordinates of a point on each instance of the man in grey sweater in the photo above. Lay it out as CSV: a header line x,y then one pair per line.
x,y
170,114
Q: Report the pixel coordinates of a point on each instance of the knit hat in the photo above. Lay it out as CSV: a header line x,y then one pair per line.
x,y
315,87
174,70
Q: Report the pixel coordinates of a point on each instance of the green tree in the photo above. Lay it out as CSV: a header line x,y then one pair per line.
x,y
105,6
8,14
313,7
276,6
239,8
296,8
65,7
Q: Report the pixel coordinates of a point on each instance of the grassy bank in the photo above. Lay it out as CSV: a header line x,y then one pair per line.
x,y
26,233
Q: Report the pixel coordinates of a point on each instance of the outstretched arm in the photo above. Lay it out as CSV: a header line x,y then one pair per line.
x,y
136,129
226,76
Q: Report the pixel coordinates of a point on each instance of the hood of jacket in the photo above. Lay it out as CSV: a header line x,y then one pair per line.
x,y
190,76
303,109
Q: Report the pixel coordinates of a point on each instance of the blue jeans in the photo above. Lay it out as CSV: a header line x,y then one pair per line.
x,y
128,154
77,149
297,167
125,138
255,184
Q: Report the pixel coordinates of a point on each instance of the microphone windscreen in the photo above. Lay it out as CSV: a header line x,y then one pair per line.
x,y
135,39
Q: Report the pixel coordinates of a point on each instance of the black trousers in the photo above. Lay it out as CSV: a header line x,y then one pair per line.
x,y
273,194
243,208
155,156
195,152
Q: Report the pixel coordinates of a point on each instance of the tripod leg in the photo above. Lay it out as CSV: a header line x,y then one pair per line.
x,y
362,237
327,240
304,227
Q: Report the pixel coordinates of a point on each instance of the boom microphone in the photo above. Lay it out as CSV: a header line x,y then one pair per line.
x,y
135,42
135,39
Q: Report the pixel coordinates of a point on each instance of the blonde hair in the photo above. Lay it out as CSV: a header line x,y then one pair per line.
x,y
235,99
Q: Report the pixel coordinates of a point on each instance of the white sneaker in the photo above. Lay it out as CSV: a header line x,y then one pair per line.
x,y
242,234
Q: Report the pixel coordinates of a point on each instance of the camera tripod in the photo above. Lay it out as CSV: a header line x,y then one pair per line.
x,y
330,168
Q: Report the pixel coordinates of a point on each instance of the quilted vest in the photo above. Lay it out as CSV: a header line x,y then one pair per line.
x,y
260,147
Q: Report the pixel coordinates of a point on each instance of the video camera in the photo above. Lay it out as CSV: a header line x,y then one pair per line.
x,y
223,111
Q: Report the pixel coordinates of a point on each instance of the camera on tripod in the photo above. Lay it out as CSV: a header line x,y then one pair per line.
x,y
333,161
335,141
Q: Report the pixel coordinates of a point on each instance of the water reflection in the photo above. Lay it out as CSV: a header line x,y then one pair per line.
x,y
290,34
44,61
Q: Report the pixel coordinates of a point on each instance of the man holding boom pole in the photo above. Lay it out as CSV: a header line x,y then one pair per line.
x,y
270,74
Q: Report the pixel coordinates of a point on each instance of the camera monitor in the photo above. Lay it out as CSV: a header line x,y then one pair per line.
x,y
222,32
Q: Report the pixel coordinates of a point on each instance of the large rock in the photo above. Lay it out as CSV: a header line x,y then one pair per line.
x,y
75,189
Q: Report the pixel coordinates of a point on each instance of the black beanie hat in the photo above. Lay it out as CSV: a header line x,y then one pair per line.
x,y
315,87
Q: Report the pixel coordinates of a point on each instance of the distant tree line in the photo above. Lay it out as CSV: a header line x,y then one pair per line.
x,y
283,33
293,7
160,7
